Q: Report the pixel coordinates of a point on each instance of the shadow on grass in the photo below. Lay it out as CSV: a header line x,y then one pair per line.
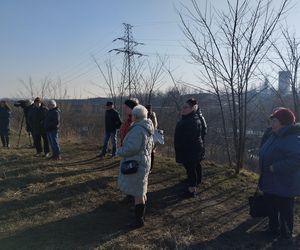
x,y
250,234
59,194
23,182
84,231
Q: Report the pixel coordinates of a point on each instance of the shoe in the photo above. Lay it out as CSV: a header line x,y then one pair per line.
x,y
38,154
274,233
55,158
135,224
100,155
188,194
47,155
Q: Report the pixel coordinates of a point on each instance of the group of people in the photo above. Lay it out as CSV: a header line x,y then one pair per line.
x,y
42,123
279,160
137,145
279,155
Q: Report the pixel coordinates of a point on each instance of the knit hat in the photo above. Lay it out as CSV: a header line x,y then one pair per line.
x,y
130,103
285,116
108,104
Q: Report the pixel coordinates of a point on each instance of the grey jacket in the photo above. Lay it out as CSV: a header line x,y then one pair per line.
x,y
137,146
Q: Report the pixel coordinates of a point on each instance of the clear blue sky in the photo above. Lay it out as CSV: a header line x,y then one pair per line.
x,y
56,38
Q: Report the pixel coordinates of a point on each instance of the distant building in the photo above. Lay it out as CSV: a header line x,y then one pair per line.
x,y
284,82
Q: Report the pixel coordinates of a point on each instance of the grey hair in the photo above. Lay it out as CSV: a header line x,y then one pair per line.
x,y
140,112
53,103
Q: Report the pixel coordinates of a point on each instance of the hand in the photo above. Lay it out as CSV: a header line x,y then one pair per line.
x,y
271,169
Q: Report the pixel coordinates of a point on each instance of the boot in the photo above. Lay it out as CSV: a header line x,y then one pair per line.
x,y
139,211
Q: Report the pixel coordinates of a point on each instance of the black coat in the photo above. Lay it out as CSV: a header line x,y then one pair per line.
x,y
36,117
4,121
188,141
52,120
112,120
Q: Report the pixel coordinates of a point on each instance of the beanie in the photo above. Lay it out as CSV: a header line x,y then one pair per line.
x,y
285,116
130,103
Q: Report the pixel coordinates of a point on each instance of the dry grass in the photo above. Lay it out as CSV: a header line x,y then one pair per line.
x,y
74,204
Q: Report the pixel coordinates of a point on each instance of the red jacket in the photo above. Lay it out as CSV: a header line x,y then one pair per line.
x,y
125,127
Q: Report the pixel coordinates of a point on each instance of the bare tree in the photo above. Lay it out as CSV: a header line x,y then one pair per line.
x,y
228,47
151,79
289,60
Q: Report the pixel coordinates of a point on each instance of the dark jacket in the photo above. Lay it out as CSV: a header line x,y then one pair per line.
x,y
188,139
112,120
266,135
4,121
282,151
36,117
52,120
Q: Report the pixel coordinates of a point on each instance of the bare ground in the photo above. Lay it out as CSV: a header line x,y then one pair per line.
x,y
75,204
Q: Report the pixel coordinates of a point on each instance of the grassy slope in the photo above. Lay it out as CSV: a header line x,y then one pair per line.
x,y
75,204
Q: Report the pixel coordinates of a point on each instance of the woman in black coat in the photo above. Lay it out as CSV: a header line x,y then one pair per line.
x,y
4,123
189,146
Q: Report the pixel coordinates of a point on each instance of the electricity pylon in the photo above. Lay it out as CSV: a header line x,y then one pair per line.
x,y
128,74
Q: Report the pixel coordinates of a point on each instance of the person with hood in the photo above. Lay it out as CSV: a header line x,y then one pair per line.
x,y
137,146
4,123
36,118
112,124
129,104
52,123
189,146
279,162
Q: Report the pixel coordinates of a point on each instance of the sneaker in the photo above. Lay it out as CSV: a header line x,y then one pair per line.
x,y
47,155
38,154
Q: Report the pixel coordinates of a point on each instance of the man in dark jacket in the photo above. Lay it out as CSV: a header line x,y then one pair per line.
x,y
52,122
189,147
112,123
36,117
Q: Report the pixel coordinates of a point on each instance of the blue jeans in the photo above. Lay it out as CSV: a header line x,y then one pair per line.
x,y
53,141
113,136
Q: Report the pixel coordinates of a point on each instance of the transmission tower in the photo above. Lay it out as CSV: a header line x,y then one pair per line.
x,y
129,51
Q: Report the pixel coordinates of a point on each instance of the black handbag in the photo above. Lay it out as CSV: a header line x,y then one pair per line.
x,y
129,167
258,204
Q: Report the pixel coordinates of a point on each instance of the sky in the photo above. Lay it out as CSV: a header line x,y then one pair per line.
x,y
56,39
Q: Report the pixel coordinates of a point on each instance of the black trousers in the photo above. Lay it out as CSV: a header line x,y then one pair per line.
x,y
5,140
37,140
194,173
281,213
